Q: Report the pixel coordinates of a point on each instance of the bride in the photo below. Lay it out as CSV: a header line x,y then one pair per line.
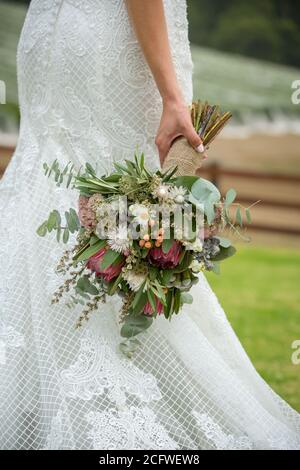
x,y
96,78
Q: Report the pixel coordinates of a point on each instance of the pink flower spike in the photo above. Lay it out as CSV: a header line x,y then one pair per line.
x,y
85,213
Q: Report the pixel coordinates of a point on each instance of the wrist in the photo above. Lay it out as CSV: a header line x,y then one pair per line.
x,y
173,97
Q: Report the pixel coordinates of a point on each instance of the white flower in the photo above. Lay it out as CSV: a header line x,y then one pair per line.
x,y
196,266
177,194
119,242
161,192
194,246
141,213
134,278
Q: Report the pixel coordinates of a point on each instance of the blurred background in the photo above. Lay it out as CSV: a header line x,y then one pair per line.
x,y
246,58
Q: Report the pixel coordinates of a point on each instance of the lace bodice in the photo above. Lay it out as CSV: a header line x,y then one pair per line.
x,y
85,85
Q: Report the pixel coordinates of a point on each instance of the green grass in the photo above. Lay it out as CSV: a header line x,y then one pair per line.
x,y
259,290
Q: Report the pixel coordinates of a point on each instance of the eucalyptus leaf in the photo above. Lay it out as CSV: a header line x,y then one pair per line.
x,y
42,230
51,221
134,325
224,242
66,235
248,216
230,197
225,253
210,211
58,234
74,223
203,190
238,217
85,285
195,201
58,218
186,181
186,298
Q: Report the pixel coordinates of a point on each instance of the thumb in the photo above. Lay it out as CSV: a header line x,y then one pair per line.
x,y
194,139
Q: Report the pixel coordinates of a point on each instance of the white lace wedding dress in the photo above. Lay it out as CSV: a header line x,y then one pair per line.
x,y
86,94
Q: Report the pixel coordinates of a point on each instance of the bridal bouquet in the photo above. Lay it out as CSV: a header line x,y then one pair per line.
x,y
141,235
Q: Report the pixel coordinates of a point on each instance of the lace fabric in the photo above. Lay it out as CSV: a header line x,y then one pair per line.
x,y
87,94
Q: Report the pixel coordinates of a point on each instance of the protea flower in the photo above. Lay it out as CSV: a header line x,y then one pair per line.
x,y
108,273
148,310
167,260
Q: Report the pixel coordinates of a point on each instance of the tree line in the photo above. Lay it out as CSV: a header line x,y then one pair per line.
x,y
265,29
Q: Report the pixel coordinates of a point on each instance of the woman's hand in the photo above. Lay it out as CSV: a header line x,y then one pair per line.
x,y
176,121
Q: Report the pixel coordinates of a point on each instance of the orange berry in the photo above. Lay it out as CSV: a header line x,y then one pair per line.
x,y
161,231
148,245
142,243
146,237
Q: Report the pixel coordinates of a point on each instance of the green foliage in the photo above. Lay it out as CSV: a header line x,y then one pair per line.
x,y
111,258
89,250
268,29
207,194
85,285
133,325
54,223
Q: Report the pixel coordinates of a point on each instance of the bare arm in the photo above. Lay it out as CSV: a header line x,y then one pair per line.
x,y
149,22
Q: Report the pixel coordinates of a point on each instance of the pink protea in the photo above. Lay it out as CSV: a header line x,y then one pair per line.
x,y
148,310
108,273
167,260
86,215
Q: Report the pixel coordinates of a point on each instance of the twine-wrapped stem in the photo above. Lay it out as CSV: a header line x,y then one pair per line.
x,y
182,155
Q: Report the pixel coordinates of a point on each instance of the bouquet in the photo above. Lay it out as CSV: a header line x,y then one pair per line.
x,y
208,122
143,236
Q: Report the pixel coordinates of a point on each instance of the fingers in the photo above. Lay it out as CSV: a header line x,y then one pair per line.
x,y
194,140
164,142
163,145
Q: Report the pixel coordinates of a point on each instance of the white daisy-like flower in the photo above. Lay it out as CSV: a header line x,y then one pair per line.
x,y
178,194
196,245
161,192
119,242
141,213
134,278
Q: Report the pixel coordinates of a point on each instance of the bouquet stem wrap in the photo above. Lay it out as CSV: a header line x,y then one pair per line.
x,y
208,121
184,156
